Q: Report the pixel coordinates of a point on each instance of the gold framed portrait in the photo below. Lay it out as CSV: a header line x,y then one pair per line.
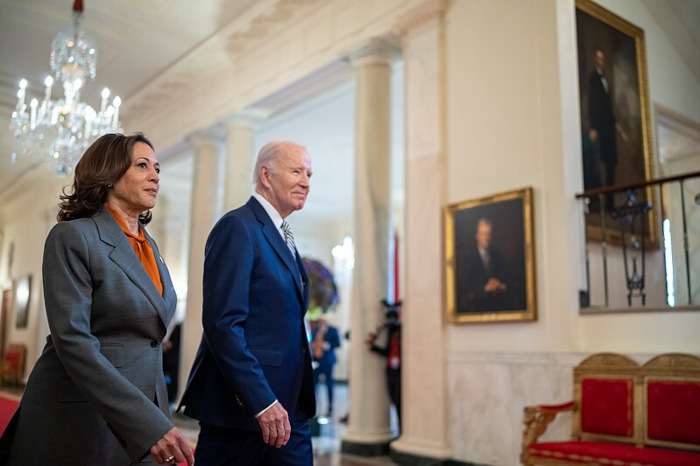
x,y
616,144
490,259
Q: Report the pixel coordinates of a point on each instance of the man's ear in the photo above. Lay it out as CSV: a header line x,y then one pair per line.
x,y
265,176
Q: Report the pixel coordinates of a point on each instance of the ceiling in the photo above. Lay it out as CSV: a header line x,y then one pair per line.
x,y
140,40
137,41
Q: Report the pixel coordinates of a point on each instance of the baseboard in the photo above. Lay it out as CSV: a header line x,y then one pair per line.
x,y
408,459
364,449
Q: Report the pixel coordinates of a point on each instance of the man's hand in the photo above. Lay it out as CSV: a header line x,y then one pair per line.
x,y
173,448
493,285
371,336
275,426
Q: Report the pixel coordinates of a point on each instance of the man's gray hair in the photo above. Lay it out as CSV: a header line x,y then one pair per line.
x,y
268,157
484,221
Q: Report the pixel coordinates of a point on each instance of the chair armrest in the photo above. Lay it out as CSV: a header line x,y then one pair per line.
x,y
537,418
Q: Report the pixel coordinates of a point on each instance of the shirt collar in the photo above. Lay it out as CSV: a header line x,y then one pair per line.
x,y
270,209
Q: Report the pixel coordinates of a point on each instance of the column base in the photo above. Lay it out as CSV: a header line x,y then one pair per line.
x,y
409,459
364,449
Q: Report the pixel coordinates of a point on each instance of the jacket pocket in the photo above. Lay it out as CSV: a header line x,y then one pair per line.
x,y
267,356
114,353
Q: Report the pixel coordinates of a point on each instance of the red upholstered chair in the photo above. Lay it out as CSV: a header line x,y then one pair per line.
x,y
672,401
12,366
607,407
605,396
624,415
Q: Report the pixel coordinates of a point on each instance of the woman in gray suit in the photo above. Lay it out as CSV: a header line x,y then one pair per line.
x,y
97,394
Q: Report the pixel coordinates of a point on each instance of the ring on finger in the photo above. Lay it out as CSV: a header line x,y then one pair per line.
x,y
169,459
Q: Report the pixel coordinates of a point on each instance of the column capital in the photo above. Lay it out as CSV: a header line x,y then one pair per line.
x,y
375,50
419,16
250,117
205,140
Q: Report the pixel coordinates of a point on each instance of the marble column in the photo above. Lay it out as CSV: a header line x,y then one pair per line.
x,y
425,422
206,209
240,157
369,430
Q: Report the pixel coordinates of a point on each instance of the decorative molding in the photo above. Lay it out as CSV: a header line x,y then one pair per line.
x,y
364,449
251,118
205,140
217,56
375,50
419,16
418,447
417,460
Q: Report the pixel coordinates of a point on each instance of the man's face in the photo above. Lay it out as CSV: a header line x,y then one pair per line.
x,y
483,235
599,59
287,181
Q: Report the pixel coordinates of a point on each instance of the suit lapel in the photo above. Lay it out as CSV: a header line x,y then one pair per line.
x,y
123,255
304,281
169,296
275,239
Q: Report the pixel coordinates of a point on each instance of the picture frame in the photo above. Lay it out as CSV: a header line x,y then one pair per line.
x,y
615,116
22,290
498,282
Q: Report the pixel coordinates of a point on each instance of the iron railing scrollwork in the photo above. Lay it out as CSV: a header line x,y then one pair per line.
x,y
623,235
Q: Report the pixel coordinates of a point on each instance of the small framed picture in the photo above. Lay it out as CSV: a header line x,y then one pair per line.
x,y
21,293
490,259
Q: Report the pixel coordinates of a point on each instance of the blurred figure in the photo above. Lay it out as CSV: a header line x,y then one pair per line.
x,y
324,341
390,335
171,363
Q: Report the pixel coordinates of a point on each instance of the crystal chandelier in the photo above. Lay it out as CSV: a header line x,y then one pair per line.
x,y
61,130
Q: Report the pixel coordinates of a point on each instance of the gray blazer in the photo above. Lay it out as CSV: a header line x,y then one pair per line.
x,y
97,394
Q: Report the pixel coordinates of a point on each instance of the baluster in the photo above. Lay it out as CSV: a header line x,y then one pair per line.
x,y
685,245
604,248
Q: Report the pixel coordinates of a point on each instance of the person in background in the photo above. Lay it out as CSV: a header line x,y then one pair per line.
x,y
251,385
391,349
97,393
171,362
324,341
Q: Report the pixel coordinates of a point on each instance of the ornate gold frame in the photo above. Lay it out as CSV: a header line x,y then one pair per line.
x,y
623,26
451,285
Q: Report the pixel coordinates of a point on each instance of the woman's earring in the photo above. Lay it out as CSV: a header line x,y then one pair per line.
x,y
109,185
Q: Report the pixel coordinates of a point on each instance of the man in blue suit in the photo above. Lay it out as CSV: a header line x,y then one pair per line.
x,y
251,385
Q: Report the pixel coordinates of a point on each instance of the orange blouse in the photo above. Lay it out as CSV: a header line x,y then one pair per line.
x,y
142,248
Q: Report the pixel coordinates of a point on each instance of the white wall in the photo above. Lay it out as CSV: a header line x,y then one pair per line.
x,y
513,121
27,216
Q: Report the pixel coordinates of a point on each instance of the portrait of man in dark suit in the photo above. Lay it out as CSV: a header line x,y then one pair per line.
x,y
490,256
612,104
616,145
485,273
601,117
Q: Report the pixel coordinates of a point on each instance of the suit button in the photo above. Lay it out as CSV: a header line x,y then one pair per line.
x,y
154,343
303,349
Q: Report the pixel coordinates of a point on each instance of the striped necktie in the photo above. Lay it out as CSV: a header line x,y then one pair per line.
x,y
288,237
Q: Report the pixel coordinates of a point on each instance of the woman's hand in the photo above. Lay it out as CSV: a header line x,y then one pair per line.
x,y
173,448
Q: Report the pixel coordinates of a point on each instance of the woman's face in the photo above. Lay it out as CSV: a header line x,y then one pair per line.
x,y
137,189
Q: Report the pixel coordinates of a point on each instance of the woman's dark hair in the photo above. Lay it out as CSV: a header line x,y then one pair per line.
x,y
102,164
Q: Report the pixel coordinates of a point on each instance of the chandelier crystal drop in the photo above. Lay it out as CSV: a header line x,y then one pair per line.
x,y
61,130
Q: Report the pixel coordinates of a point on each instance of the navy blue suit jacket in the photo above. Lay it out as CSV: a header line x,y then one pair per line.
x,y
254,348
